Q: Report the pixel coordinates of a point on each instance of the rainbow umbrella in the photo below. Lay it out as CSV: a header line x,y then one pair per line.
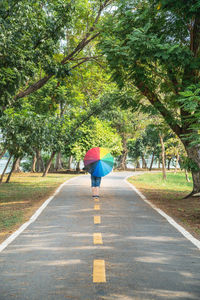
x,y
98,161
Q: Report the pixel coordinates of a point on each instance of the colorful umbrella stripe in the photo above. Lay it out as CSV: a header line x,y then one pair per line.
x,y
98,161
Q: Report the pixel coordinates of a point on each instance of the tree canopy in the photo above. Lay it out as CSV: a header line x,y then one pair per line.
x,y
99,65
154,46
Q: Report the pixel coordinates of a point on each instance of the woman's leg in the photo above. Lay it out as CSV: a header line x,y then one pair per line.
x,y
95,185
95,191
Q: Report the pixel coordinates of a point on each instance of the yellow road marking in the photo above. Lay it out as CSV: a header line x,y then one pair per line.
x,y
97,220
97,238
99,273
97,207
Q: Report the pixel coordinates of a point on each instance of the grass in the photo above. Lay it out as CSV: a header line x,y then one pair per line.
x,y
22,196
168,195
174,182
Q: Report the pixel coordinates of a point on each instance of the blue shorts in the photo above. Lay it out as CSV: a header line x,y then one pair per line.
x,y
95,181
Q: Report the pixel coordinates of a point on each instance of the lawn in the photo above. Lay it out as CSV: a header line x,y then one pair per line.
x,y
20,198
169,196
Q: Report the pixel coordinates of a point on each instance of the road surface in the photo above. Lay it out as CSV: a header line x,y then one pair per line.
x,y
117,248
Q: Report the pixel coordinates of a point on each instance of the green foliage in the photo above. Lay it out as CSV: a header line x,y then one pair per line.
x,y
190,98
25,131
30,36
186,7
174,147
96,133
190,101
17,132
148,47
136,148
145,144
189,164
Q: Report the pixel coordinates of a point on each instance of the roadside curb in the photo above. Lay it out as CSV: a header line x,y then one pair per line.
x,y
32,219
181,229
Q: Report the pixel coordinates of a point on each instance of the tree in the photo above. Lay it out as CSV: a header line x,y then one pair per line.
x,y
154,46
22,133
136,150
78,29
124,118
151,141
96,133
124,122
30,37
174,149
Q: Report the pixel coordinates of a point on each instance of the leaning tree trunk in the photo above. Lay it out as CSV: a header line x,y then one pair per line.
x,y
13,167
49,164
152,160
4,171
2,153
163,156
17,166
194,155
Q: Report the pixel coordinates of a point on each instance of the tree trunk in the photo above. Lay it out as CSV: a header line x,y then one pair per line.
x,y
152,160
186,176
58,165
122,163
177,160
49,164
13,167
2,153
69,162
144,164
137,164
163,157
39,163
194,155
17,166
78,166
168,165
33,168
4,171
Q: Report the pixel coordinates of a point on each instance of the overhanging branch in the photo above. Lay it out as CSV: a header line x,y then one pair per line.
x,y
154,100
84,42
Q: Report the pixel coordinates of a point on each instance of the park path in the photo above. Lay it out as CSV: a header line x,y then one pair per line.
x,y
131,252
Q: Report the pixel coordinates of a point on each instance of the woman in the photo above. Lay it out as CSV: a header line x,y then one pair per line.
x,y
95,184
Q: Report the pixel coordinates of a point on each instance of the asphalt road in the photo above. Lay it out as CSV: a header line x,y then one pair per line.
x,y
131,253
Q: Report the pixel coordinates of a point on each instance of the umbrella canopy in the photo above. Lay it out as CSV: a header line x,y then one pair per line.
x,y
98,161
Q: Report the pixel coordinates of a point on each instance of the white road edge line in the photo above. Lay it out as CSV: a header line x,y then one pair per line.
x,y
15,234
181,229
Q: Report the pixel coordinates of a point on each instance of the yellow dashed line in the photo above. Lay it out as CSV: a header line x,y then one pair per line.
x,y
96,207
99,273
97,238
97,220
